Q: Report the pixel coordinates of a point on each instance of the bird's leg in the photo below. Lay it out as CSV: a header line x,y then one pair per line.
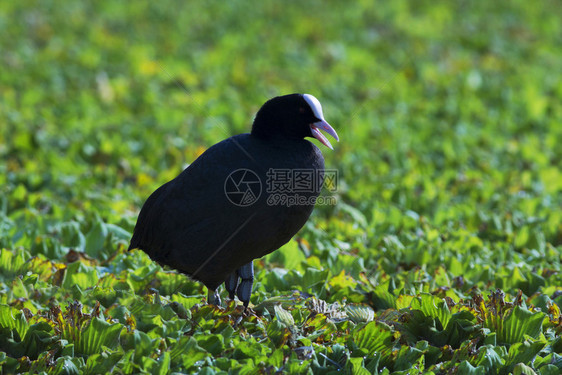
x,y
244,290
231,284
213,297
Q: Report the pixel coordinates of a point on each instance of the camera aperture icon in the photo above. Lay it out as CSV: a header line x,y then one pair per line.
x,y
242,187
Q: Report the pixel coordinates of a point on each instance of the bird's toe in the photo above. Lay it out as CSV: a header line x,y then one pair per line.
x,y
214,298
231,284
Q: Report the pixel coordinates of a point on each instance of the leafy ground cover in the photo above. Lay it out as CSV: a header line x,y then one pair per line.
x,y
442,254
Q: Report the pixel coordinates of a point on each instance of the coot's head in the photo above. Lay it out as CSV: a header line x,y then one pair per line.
x,y
293,116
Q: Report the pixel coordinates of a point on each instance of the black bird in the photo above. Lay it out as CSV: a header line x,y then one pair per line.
x,y
240,200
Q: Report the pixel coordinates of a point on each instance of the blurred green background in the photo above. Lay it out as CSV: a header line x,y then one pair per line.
x,y
449,115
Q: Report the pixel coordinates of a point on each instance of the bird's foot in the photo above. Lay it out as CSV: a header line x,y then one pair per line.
x,y
244,290
231,284
240,283
214,298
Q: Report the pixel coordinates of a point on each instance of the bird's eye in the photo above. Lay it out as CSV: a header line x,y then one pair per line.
x,y
302,110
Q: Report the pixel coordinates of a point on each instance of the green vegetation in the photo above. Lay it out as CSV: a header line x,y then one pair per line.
x,y
442,255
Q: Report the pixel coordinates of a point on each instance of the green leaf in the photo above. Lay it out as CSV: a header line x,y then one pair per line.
x,y
356,366
465,368
81,275
551,359
523,369
354,213
284,317
8,364
523,352
276,358
102,363
19,338
290,256
408,357
489,359
315,279
12,318
98,334
38,339
383,298
189,352
549,370
138,341
161,366
432,306
12,263
95,240
213,344
278,333
373,338
520,322
360,313
68,366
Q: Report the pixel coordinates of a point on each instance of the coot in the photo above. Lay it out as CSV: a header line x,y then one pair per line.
x,y
240,200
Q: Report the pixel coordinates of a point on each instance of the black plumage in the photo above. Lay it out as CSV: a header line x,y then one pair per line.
x,y
213,219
